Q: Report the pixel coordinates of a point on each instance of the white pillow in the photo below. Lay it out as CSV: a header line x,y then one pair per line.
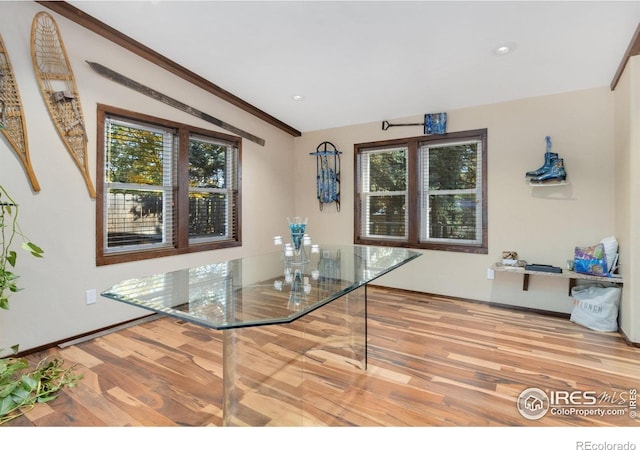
x,y
610,250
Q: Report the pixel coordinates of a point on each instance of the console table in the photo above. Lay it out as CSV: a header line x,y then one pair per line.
x,y
253,294
572,276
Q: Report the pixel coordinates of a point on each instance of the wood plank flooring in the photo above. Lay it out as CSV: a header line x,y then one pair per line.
x,y
432,361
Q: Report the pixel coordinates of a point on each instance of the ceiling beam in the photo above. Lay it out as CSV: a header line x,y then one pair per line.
x,y
632,50
91,23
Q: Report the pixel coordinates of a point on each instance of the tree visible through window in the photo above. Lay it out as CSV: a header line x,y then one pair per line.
x,y
210,175
423,192
384,192
150,168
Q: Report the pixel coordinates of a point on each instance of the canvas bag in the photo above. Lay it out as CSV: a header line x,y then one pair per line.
x,y
596,307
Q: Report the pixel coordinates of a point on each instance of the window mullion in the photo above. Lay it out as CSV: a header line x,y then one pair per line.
x,y
413,186
182,190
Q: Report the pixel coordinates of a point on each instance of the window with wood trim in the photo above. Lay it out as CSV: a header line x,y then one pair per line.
x,y
164,188
425,192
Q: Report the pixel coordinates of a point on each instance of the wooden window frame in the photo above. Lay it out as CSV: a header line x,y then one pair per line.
x,y
413,145
181,206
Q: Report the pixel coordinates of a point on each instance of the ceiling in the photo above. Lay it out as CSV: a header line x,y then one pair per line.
x,y
359,61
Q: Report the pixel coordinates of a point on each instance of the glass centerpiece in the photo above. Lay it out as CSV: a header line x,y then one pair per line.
x,y
297,225
295,252
296,258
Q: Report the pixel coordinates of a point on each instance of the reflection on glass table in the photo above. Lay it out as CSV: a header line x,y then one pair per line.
x,y
244,295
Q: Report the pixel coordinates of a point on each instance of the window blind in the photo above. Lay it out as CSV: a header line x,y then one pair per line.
x,y
139,184
451,192
213,188
383,191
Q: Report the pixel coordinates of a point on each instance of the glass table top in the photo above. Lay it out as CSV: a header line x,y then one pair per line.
x,y
260,290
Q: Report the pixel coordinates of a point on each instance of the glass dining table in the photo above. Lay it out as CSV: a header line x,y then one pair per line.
x,y
267,308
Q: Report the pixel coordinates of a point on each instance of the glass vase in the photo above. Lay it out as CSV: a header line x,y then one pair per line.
x,y
298,226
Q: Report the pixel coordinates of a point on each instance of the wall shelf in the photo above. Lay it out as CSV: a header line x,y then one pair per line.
x,y
572,276
552,184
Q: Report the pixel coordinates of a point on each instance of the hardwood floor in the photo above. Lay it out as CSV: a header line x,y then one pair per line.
x,y
432,361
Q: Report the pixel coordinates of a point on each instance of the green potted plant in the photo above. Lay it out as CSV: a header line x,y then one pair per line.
x,y
9,230
21,388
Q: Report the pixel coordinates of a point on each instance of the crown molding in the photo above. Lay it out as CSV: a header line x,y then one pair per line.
x,y
91,23
632,50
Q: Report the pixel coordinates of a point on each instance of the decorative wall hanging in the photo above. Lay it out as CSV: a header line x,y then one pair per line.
x,y
12,122
59,90
328,174
132,84
433,124
552,170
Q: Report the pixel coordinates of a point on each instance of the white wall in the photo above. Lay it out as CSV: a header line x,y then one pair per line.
x,y
61,217
627,140
542,224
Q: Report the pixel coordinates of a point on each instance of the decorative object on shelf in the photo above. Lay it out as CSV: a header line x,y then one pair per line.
x,y
591,260
433,124
59,90
551,170
12,121
518,263
543,268
327,174
509,258
295,253
138,87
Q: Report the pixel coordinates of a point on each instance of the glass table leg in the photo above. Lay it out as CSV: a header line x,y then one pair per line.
x,y
264,367
262,376
229,391
335,373
356,318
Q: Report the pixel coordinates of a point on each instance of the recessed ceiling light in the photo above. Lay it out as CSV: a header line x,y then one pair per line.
x,y
297,98
504,49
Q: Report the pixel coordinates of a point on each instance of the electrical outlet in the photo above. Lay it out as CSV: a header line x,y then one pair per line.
x,y
91,296
490,273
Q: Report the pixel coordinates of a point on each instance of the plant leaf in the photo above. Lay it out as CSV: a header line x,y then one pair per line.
x,y
29,383
11,257
7,405
46,399
33,248
20,396
8,389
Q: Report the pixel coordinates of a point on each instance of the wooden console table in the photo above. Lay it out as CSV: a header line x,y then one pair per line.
x,y
572,276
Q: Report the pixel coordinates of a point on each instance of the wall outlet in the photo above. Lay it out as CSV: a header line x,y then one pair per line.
x,y
91,296
490,274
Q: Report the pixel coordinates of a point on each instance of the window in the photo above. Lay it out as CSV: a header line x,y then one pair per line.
x,y
164,188
424,192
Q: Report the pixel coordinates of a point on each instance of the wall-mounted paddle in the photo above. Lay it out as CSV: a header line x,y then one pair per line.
x,y
138,87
